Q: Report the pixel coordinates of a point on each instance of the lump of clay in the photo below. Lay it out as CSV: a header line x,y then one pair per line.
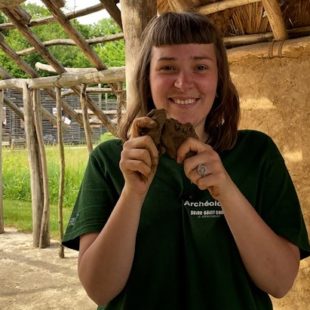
x,y
168,134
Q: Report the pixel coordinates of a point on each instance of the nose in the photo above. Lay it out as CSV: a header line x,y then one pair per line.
x,y
183,81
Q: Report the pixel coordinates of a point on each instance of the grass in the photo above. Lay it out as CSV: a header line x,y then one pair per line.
x,y
18,214
16,175
17,192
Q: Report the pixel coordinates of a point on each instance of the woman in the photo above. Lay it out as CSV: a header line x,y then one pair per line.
x,y
221,229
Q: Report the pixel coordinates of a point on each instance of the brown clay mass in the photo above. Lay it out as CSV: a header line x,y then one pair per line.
x,y
168,134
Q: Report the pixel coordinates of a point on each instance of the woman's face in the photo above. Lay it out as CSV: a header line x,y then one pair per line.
x,y
183,80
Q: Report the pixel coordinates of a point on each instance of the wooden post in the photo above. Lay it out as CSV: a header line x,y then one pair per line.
x,y
44,240
34,164
87,129
61,172
275,18
135,16
1,179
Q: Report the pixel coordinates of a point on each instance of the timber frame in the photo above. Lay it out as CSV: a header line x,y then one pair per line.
x,y
281,33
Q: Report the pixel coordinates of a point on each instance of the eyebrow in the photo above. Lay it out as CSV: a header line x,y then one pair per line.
x,y
193,58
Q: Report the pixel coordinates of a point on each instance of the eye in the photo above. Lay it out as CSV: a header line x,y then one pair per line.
x,y
202,67
167,68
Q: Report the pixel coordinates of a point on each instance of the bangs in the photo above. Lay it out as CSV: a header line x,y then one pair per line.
x,y
182,29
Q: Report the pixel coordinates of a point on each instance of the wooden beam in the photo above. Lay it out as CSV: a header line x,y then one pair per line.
x,y
44,238
113,10
93,90
48,68
75,35
179,5
61,170
1,178
92,41
51,19
17,59
28,69
135,16
21,15
275,18
34,166
10,3
87,129
263,37
288,48
69,80
14,108
222,5
4,74
34,41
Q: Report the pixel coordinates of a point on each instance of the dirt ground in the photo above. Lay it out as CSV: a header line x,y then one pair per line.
x,y
38,279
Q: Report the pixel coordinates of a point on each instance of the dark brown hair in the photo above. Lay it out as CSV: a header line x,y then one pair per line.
x,y
181,28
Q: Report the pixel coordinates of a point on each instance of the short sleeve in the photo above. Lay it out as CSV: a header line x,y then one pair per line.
x,y
98,194
279,202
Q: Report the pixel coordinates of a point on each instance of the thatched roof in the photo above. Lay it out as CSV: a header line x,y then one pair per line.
x,y
241,22
265,28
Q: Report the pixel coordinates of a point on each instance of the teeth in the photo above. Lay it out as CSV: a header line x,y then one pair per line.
x,y
184,101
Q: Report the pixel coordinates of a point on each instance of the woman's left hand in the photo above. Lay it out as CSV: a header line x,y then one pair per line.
x,y
215,177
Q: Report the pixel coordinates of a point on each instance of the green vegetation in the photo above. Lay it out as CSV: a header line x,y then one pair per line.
x,y
16,185
18,214
111,53
16,175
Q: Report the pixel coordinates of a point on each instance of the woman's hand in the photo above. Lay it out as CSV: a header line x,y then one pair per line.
x,y
139,158
216,178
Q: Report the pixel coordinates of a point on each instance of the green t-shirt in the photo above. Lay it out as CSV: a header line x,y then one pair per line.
x,y
185,256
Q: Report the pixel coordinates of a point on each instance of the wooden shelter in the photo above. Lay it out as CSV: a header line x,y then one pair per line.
x,y
275,33
250,28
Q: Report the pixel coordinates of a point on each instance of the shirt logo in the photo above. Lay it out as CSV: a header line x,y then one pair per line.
x,y
203,209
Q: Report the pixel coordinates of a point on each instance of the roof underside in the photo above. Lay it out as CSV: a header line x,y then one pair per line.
x,y
241,22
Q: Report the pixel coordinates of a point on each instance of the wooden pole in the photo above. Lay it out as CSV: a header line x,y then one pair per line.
x,y
68,79
51,19
135,16
87,129
275,18
74,34
288,48
44,240
113,10
223,5
1,178
35,167
61,171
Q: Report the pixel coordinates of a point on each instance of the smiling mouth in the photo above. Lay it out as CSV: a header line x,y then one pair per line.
x,y
184,101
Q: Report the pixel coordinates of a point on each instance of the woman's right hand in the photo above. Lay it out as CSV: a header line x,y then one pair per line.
x,y
139,158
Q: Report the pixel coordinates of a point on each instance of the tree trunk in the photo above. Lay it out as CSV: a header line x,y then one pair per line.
x,y
135,16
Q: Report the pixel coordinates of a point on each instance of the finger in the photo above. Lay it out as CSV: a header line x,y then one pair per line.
x,y
144,142
138,154
135,166
190,145
140,123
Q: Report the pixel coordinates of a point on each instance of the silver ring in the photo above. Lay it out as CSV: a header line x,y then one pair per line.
x,y
202,170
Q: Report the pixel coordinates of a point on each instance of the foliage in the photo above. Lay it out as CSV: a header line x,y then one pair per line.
x,y
16,175
106,136
111,53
